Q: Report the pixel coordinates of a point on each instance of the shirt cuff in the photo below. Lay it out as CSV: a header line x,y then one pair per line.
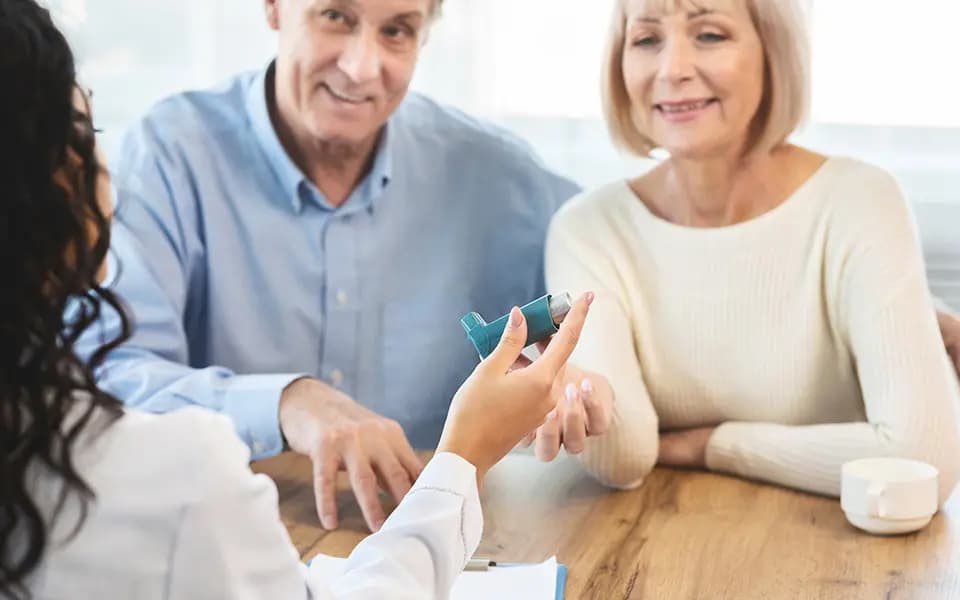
x,y
253,403
722,453
452,473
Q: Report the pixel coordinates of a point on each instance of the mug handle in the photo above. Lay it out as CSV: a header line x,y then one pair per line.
x,y
876,507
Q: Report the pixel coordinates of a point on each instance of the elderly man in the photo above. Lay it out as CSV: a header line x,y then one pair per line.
x,y
297,246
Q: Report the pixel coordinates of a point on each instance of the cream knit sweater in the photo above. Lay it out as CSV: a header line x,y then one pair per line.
x,y
806,334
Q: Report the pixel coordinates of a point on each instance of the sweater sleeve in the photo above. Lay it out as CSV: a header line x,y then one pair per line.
x,y
878,298
627,452
941,306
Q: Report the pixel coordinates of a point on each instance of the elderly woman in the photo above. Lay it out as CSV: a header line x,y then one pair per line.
x,y
762,310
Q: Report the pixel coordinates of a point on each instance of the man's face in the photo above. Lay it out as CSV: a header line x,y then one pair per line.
x,y
344,66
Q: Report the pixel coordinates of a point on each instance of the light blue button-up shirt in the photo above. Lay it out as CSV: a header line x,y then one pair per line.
x,y
241,276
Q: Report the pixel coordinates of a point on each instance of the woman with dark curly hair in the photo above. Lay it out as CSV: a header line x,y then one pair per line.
x,y
99,503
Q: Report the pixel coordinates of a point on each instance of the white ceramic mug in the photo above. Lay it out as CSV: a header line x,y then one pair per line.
x,y
889,495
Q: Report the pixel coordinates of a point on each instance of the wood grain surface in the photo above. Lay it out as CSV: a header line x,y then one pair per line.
x,y
682,535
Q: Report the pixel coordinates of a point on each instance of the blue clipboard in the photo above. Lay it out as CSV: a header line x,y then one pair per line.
x,y
561,581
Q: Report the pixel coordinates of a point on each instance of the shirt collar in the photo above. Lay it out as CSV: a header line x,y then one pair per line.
x,y
291,178
287,173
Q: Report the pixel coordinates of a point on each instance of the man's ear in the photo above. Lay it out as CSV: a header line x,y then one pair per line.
x,y
271,9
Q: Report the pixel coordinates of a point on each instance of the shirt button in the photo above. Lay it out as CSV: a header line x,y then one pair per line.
x,y
341,298
336,377
258,447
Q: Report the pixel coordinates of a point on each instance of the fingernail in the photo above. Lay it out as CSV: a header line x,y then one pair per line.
x,y
590,298
586,386
571,392
516,317
552,415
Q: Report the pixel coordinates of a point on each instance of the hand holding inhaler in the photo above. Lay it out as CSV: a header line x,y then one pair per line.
x,y
499,403
543,316
583,401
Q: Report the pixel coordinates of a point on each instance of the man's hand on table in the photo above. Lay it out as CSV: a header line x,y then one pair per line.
x,y
337,433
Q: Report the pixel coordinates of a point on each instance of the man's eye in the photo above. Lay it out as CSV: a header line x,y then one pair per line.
x,y
397,31
334,16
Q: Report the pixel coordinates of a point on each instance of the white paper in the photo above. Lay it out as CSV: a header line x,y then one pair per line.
x,y
524,582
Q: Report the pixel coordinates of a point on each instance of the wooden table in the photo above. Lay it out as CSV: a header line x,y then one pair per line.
x,y
682,535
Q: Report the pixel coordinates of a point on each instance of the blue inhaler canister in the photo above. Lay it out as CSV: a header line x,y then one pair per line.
x,y
543,316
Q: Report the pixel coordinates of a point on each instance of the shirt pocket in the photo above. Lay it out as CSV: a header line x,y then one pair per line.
x,y
426,357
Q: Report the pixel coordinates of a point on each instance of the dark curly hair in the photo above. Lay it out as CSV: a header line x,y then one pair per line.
x,y
54,237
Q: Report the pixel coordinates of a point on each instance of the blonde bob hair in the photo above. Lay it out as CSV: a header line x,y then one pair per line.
x,y
781,25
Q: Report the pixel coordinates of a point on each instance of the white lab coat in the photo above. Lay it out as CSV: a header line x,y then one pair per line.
x,y
179,515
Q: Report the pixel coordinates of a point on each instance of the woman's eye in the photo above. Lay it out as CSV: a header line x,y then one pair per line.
x,y
711,38
646,41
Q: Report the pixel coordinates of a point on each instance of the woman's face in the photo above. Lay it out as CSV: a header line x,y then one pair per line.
x,y
64,178
694,75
